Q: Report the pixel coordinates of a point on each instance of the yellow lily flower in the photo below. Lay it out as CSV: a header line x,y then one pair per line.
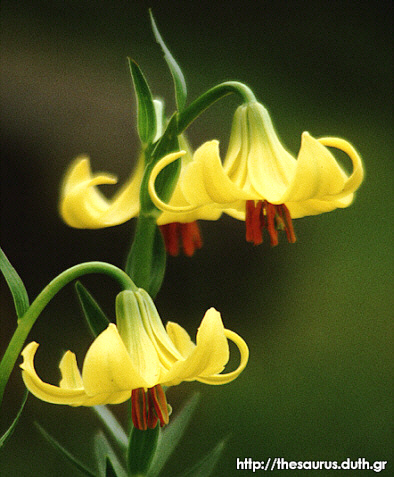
x,y
82,205
135,358
259,181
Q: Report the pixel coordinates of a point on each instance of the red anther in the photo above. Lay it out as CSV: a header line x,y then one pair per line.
x,y
191,237
264,215
254,231
170,235
289,225
158,398
198,242
271,212
258,223
249,220
149,407
152,416
187,235
138,409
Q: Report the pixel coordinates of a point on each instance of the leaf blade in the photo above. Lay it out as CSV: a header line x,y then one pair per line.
x,y
172,435
146,114
206,465
109,469
75,462
94,315
4,438
176,72
112,425
15,284
109,464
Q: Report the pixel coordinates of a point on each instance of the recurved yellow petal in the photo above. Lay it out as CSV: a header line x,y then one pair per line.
x,y
225,378
205,180
178,200
209,356
108,368
355,179
48,392
320,184
82,205
71,377
181,339
316,176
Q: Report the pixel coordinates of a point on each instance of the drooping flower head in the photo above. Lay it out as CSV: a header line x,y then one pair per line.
x,y
135,358
259,181
83,205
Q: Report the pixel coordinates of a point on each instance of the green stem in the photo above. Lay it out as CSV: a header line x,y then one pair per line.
x,y
188,115
26,322
146,261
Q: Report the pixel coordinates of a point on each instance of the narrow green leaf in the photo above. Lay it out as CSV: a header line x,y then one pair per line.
x,y
172,435
108,462
109,470
17,288
146,115
142,447
4,438
206,465
176,72
112,425
94,315
75,462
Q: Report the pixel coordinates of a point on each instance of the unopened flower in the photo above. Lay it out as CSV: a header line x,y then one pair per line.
x,y
135,358
259,181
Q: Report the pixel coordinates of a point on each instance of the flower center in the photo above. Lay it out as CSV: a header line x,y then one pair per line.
x,y
264,215
186,235
148,407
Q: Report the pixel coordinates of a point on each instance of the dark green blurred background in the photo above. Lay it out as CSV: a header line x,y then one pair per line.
x,y
316,315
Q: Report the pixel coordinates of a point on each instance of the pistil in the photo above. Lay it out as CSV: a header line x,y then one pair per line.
x,y
262,215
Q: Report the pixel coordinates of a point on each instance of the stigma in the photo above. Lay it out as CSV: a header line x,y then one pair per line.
x,y
262,215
